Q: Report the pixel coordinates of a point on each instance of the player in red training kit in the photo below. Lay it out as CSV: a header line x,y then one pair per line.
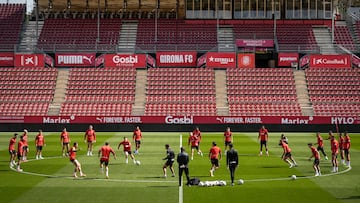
x,y
286,156
26,145
197,133
341,148
39,143
334,152
194,141
263,137
320,143
127,150
90,138
105,151
20,153
228,138
65,142
315,153
137,137
346,148
72,154
215,156
12,150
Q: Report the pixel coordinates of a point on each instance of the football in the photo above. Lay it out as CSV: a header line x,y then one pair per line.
x,y
137,162
293,177
241,181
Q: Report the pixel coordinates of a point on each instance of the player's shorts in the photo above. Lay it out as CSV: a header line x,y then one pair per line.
x,y
72,160
26,148
39,148
90,141
137,142
129,152
346,151
320,148
169,163
65,143
215,162
334,155
227,143
104,161
195,147
263,142
316,162
19,156
11,152
287,154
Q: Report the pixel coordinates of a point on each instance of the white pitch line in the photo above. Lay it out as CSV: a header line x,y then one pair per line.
x,y
163,181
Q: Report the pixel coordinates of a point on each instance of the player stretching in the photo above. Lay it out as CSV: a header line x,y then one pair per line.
x,y
20,153
232,162
320,144
72,154
315,153
12,150
228,138
347,148
286,156
263,137
137,137
90,137
39,143
341,148
170,158
25,146
105,151
334,152
215,156
194,141
65,142
127,150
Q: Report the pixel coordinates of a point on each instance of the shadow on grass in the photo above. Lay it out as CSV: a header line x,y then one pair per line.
x,y
351,197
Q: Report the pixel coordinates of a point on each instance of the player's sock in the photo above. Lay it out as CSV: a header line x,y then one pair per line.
x,y
36,157
134,161
348,164
336,169
126,160
88,153
74,175
41,157
267,153
101,170
260,154
343,161
326,158
107,172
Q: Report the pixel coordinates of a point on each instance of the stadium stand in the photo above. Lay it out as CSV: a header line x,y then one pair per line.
x,y
26,91
357,28
343,37
101,92
175,35
265,92
180,91
334,92
11,20
79,34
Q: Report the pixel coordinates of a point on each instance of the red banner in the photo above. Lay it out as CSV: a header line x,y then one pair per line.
x,y
355,61
29,60
183,120
285,59
330,61
246,61
220,60
75,60
171,59
6,59
125,60
254,43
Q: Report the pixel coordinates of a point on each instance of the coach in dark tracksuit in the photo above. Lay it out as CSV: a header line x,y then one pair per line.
x,y
232,161
183,161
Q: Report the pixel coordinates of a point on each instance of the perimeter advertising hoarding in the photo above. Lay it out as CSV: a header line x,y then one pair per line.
x,y
29,60
330,61
75,60
286,59
181,120
125,60
221,60
176,59
6,59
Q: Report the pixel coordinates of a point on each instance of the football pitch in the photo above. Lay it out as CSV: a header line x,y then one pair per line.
x,y
266,178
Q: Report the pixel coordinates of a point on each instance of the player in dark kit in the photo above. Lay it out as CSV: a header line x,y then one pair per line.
x,y
170,158
183,161
232,161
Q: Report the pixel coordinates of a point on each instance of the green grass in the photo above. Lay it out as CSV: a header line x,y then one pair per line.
x,y
266,178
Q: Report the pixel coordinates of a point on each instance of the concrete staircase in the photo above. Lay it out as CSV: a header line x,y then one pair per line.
x,y
323,39
226,39
302,93
60,91
127,39
222,105
29,41
140,93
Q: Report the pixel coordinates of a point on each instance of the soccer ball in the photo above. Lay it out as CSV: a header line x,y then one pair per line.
x,y
293,177
241,181
137,162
